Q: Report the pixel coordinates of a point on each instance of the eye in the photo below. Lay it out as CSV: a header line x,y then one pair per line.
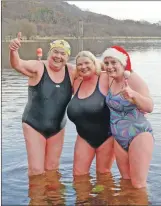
x,y
87,63
63,53
78,65
113,62
55,51
106,63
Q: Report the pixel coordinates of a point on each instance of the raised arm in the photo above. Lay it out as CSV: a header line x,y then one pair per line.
x,y
28,68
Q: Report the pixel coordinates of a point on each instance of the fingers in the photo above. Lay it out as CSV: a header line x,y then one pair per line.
x,y
19,36
15,44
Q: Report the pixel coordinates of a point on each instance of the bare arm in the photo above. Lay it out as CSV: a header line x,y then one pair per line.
x,y
104,82
71,69
27,68
141,94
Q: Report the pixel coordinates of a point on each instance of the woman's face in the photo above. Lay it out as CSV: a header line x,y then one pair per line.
x,y
85,67
57,58
113,67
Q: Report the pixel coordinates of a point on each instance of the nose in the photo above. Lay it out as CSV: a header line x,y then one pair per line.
x,y
83,66
58,55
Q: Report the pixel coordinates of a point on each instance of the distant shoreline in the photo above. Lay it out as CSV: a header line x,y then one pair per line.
x,y
85,38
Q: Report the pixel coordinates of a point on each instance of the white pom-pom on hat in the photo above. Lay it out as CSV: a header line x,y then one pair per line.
x,y
127,74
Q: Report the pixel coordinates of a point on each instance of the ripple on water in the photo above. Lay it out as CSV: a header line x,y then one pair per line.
x,y
17,189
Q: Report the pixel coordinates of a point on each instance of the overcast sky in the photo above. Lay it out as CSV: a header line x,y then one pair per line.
x,y
136,10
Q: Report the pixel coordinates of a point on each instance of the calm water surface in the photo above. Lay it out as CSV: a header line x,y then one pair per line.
x,y
59,188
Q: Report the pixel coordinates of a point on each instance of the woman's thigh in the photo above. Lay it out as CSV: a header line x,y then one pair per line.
x,y
54,146
140,155
35,145
105,156
83,156
122,160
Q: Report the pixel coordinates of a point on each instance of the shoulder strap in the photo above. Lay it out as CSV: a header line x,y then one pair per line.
x,y
78,88
97,85
66,70
45,70
110,84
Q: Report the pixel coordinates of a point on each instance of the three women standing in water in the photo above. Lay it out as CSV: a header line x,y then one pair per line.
x,y
96,95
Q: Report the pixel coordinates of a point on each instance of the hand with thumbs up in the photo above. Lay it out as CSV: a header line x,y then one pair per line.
x,y
15,44
127,92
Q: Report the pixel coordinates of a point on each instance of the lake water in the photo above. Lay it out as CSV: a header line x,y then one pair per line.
x,y
59,188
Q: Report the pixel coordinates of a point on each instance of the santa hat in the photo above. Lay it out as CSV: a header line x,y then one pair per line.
x,y
120,54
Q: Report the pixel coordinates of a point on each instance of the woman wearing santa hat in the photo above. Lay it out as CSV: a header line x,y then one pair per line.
x,y
128,99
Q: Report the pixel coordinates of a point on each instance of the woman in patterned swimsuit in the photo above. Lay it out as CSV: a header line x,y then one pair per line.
x,y
128,100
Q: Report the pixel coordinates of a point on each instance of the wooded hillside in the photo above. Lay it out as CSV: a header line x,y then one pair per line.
x,y
49,18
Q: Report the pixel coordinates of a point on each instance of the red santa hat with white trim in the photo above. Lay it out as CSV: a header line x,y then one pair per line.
x,y
120,54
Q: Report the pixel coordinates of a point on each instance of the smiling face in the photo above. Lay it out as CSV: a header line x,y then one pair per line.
x,y
57,58
85,67
113,67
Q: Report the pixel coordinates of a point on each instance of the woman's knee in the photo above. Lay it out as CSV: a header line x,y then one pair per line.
x,y
80,171
103,170
138,184
52,164
104,162
35,170
81,166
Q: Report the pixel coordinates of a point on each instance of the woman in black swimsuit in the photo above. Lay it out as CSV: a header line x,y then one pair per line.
x,y
88,111
49,91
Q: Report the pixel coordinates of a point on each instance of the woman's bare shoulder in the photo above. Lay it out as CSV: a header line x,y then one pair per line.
x,y
137,83
135,79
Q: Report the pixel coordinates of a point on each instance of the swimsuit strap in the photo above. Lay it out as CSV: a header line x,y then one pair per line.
x,y
97,85
109,86
76,94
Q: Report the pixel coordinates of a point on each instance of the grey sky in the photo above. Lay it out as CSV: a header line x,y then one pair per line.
x,y
136,10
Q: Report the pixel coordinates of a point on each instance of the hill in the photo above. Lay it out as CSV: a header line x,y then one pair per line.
x,y
48,18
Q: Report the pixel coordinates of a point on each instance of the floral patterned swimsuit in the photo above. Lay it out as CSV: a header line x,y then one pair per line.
x,y
126,120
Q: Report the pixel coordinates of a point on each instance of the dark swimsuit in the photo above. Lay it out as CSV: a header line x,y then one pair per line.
x,y
46,106
91,117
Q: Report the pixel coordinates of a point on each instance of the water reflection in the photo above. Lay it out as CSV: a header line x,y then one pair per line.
x,y
106,191
104,194
83,187
46,189
125,194
103,190
28,49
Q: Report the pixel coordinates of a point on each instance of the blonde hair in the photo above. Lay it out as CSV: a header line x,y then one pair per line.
x,y
92,58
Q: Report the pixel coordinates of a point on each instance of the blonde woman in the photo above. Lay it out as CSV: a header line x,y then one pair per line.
x,y
88,111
